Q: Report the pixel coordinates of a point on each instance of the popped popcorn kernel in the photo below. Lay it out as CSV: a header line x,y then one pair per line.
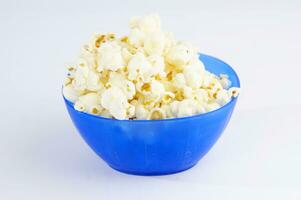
x,y
156,113
145,75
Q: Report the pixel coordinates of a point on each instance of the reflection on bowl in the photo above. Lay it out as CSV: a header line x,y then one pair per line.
x,y
156,147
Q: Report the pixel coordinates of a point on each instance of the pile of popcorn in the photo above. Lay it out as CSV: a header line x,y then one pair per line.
x,y
145,75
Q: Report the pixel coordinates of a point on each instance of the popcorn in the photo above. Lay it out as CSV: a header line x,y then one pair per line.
x,y
93,81
224,80
167,97
126,55
180,54
147,24
187,107
233,91
187,92
70,93
147,75
130,111
169,42
136,37
157,65
222,97
141,112
201,95
156,113
167,110
174,107
106,114
79,106
115,101
85,78
179,80
157,88
89,102
154,43
110,57
212,106
120,81
67,81
138,65
194,73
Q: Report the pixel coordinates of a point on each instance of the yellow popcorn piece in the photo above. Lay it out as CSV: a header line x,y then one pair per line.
x,y
95,110
67,81
167,97
157,113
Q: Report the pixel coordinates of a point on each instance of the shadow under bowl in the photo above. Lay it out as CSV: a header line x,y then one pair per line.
x,y
156,147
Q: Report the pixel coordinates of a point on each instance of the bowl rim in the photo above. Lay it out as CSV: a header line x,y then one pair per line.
x,y
71,105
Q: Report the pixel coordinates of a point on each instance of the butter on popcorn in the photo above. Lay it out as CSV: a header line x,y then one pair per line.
x,y
147,75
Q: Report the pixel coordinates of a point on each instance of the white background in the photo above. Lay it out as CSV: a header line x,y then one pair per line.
x,y
258,157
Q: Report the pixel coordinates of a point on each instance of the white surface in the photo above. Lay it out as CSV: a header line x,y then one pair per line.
x,y
258,156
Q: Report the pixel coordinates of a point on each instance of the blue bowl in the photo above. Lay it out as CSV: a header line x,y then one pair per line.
x,y
156,147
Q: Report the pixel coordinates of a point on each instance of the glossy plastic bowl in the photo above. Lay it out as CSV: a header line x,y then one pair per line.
x,y
156,147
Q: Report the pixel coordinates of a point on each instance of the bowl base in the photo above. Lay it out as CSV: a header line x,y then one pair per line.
x,y
139,173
